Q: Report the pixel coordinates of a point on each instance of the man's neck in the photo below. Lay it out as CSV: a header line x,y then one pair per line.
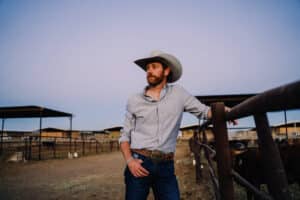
x,y
154,91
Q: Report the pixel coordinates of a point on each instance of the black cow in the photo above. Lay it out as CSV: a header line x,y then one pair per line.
x,y
250,166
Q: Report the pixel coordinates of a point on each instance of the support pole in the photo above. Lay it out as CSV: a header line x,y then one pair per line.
x,y
276,178
40,138
54,148
223,153
70,135
30,148
83,145
96,146
286,129
2,133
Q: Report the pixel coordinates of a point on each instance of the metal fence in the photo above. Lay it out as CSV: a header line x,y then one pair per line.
x,y
55,147
277,99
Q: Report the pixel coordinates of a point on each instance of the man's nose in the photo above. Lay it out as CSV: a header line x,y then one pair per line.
x,y
149,70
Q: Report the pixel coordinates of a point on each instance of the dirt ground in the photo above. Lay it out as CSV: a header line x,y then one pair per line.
x,y
98,177
92,177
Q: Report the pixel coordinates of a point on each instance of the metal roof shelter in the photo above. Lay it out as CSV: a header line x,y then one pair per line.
x,y
115,128
30,112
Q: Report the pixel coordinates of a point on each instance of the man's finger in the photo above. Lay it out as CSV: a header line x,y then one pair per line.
x,y
234,122
141,173
144,171
134,174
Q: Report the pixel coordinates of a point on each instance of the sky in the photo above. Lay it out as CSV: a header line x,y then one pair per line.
x,y
77,56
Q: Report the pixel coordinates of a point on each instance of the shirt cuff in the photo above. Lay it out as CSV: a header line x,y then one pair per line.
x,y
123,139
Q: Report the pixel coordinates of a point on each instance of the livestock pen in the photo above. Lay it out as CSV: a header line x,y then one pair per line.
x,y
285,97
28,148
37,145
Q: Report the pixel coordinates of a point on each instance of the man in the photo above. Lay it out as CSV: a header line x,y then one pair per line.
x,y
152,122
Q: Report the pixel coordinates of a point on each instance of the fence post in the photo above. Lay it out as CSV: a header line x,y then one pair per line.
x,y
111,145
196,149
222,151
54,148
40,137
90,146
30,145
2,131
276,178
70,144
83,146
96,146
25,149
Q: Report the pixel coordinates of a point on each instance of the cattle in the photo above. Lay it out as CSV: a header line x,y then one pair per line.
x,y
249,164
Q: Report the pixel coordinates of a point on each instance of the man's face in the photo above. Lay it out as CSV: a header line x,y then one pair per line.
x,y
156,74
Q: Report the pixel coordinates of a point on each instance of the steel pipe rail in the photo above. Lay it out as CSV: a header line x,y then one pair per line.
x,y
285,97
249,186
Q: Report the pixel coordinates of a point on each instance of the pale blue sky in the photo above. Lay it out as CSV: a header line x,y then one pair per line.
x,y
77,56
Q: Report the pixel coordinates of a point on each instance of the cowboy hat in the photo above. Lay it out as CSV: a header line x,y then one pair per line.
x,y
167,59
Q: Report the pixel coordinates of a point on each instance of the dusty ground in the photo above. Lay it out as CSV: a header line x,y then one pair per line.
x,y
97,177
92,177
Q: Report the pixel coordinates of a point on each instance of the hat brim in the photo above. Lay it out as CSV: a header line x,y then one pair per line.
x,y
144,61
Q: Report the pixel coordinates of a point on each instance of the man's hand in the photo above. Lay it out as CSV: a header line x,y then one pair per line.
x,y
234,122
136,169
227,109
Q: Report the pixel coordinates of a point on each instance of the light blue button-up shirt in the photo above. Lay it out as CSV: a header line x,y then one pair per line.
x,y
154,125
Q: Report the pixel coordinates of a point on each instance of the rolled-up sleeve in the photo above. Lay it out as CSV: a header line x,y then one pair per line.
x,y
125,135
194,106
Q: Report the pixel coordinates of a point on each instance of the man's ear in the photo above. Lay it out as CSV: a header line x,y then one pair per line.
x,y
167,71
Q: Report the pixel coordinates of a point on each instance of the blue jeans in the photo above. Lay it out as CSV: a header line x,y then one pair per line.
x,y
161,179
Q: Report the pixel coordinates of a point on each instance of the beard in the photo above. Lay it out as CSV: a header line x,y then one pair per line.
x,y
154,80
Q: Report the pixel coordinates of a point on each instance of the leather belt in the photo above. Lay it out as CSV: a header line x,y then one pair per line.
x,y
155,154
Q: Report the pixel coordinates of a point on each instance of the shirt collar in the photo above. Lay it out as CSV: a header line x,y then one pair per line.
x,y
163,93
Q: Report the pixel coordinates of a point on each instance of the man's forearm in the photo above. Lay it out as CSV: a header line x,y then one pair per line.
x,y
125,148
209,114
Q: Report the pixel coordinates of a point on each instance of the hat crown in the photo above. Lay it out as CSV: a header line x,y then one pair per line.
x,y
156,53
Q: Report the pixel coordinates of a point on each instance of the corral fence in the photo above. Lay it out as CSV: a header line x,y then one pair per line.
x,y
285,97
30,148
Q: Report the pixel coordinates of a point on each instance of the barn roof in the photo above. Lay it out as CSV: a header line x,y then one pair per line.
x,y
288,124
115,128
50,129
30,112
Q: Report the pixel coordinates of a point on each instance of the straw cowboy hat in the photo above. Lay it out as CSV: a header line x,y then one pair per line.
x,y
167,59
